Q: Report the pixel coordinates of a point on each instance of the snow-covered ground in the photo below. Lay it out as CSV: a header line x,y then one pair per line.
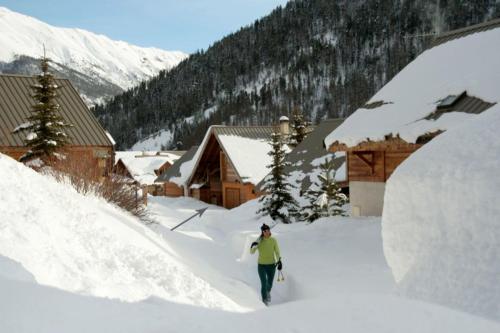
x,y
70,263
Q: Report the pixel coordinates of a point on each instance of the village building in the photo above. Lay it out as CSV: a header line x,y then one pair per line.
x,y
173,179
229,163
141,168
90,146
303,162
436,92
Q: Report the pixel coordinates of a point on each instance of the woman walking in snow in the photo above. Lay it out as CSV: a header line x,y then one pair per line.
x,y
269,260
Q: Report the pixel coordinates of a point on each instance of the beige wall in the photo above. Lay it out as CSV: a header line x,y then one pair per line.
x,y
367,198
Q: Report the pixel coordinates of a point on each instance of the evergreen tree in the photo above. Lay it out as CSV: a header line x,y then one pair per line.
x,y
300,127
325,197
45,127
278,202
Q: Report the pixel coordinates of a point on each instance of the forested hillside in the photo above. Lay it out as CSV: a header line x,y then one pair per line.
x,y
325,56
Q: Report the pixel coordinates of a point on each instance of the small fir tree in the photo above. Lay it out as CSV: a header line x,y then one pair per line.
x,y
278,201
325,198
44,127
300,127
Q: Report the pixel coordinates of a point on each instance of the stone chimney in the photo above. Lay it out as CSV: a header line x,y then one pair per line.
x,y
284,125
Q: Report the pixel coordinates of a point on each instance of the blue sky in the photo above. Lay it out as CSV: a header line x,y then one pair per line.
x,y
185,25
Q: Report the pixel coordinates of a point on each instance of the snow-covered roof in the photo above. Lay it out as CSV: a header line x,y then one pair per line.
x,y
249,156
246,147
179,172
111,139
403,107
142,165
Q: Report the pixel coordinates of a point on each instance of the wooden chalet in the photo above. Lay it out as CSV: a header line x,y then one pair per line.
x,y
90,145
426,104
142,168
229,163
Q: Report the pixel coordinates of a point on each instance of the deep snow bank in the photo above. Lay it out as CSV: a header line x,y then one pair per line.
x,y
83,245
441,227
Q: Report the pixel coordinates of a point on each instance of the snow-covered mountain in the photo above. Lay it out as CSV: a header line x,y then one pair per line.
x,y
97,57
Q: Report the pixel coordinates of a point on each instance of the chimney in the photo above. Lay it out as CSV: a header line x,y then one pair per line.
x,y
284,125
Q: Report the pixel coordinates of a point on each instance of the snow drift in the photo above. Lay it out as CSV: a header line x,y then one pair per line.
x,y
440,221
86,246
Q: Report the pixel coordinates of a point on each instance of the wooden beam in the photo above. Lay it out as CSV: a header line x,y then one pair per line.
x,y
383,170
371,164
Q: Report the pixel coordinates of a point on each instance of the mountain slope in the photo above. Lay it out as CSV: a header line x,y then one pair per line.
x,y
101,60
325,56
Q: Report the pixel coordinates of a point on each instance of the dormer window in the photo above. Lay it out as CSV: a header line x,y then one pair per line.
x,y
450,100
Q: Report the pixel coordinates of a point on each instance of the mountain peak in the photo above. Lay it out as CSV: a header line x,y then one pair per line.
x,y
95,55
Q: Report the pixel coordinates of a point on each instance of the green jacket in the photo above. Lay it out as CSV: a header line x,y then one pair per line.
x,y
269,251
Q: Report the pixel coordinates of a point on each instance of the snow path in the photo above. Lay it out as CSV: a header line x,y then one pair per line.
x,y
75,264
224,238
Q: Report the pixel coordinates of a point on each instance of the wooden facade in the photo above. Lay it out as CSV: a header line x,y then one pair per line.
x,y
172,190
163,168
120,169
369,166
375,161
216,180
94,161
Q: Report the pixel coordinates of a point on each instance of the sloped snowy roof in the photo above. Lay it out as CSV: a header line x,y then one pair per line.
x,y
180,170
249,156
142,166
246,147
467,63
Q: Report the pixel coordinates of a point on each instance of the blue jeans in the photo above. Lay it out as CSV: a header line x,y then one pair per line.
x,y
266,275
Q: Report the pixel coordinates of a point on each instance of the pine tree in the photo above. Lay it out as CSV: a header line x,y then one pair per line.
x,y
278,202
325,198
45,127
300,127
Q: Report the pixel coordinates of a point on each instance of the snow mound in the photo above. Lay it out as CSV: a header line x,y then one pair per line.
x,y
440,227
86,246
